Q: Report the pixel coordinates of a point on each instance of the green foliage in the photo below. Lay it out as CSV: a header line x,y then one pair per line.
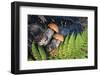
x,y
42,53
63,50
73,47
35,52
78,46
38,52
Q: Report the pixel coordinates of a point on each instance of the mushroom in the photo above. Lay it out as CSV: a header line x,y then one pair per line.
x,y
58,38
48,34
54,27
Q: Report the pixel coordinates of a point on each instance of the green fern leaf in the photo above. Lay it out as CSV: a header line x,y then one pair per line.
x,y
35,52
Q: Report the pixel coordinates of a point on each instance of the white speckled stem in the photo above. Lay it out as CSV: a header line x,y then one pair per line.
x,y
46,37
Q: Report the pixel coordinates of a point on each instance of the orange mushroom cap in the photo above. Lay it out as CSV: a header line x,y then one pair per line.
x,y
53,26
59,37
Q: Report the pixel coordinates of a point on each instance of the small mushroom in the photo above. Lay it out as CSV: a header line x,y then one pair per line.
x,y
48,34
58,38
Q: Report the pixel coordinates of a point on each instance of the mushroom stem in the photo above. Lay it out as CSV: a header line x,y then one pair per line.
x,y
48,34
54,44
46,37
58,38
